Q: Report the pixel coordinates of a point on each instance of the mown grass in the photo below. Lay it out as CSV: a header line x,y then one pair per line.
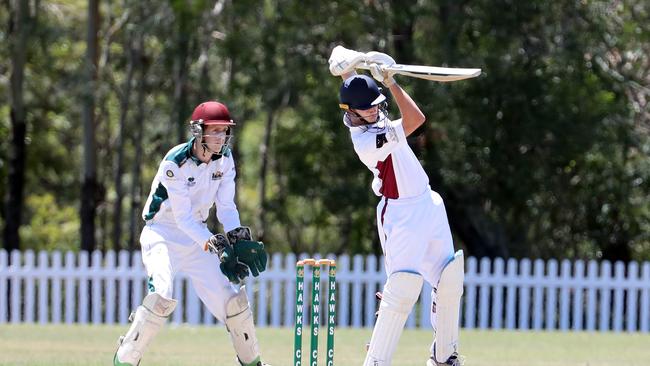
x,y
94,345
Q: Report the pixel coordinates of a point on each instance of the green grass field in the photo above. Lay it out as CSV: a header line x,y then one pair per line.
x,y
94,345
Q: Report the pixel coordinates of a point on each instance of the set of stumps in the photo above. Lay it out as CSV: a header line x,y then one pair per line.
x,y
316,266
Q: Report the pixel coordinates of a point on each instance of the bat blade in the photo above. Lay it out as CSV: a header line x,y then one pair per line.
x,y
443,74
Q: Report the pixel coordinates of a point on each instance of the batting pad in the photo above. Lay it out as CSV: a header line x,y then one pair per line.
x,y
450,289
239,322
148,319
400,294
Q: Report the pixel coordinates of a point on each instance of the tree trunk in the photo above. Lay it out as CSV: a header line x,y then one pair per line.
x,y
136,188
402,29
89,185
450,13
264,156
18,31
180,83
119,164
206,90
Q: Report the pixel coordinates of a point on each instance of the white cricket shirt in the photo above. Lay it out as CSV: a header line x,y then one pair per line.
x,y
382,147
184,189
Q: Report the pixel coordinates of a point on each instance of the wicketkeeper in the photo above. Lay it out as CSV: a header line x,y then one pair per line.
x,y
411,218
192,178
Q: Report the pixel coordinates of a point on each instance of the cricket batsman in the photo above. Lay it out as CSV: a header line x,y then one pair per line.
x,y
191,178
411,218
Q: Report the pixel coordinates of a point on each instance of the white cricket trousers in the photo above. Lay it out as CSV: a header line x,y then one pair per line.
x,y
415,237
167,251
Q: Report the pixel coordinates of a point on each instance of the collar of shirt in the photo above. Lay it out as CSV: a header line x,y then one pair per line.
x,y
196,160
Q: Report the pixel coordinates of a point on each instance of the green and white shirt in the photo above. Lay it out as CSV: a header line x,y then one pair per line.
x,y
184,189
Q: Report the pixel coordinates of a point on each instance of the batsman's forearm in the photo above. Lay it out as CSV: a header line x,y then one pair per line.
x,y
412,116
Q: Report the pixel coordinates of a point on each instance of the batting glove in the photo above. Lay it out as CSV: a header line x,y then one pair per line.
x,y
343,60
380,74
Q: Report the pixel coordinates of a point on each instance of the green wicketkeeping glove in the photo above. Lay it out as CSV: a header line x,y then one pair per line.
x,y
253,254
230,266
247,250
235,270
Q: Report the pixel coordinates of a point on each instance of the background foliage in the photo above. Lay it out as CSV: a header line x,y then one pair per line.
x,y
545,155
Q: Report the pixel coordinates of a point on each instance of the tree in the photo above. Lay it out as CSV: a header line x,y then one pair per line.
x,y
544,155
125,99
139,66
90,189
186,17
18,35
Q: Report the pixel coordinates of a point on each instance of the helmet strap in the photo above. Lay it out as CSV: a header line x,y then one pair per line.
x,y
196,128
357,120
206,148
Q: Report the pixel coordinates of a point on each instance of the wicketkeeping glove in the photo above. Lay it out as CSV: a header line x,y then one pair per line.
x,y
230,266
247,250
253,254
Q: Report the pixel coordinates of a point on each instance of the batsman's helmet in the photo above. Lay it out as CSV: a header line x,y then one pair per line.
x,y
360,92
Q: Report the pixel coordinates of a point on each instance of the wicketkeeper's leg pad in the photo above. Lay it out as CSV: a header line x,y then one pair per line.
x,y
148,319
240,325
450,290
400,294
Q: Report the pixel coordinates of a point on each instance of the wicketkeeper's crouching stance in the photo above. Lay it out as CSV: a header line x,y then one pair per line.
x,y
191,178
411,218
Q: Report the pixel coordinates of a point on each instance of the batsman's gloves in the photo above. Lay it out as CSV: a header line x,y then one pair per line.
x,y
380,74
230,266
378,62
379,58
247,250
343,60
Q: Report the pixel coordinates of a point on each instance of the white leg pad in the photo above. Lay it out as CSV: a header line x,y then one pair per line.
x,y
240,325
400,294
148,319
450,290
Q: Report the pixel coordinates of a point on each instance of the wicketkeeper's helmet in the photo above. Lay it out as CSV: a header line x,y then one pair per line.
x,y
360,92
211,113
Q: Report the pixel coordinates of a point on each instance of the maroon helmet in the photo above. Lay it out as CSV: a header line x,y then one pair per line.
x,y
212,113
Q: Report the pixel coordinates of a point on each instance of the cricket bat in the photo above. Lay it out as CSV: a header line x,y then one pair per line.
x,y
443,74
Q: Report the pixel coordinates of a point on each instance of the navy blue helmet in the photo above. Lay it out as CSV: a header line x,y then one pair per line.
x,y
360,92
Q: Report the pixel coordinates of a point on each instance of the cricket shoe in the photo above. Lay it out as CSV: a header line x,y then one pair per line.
x,y
257,362
116,361
453,360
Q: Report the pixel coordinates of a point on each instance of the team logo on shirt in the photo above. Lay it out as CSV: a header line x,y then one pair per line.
x,y
190,181
381,140
392,134
217,175
389,134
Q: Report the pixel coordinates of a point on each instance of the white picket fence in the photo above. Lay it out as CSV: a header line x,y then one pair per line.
x,y
514,294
